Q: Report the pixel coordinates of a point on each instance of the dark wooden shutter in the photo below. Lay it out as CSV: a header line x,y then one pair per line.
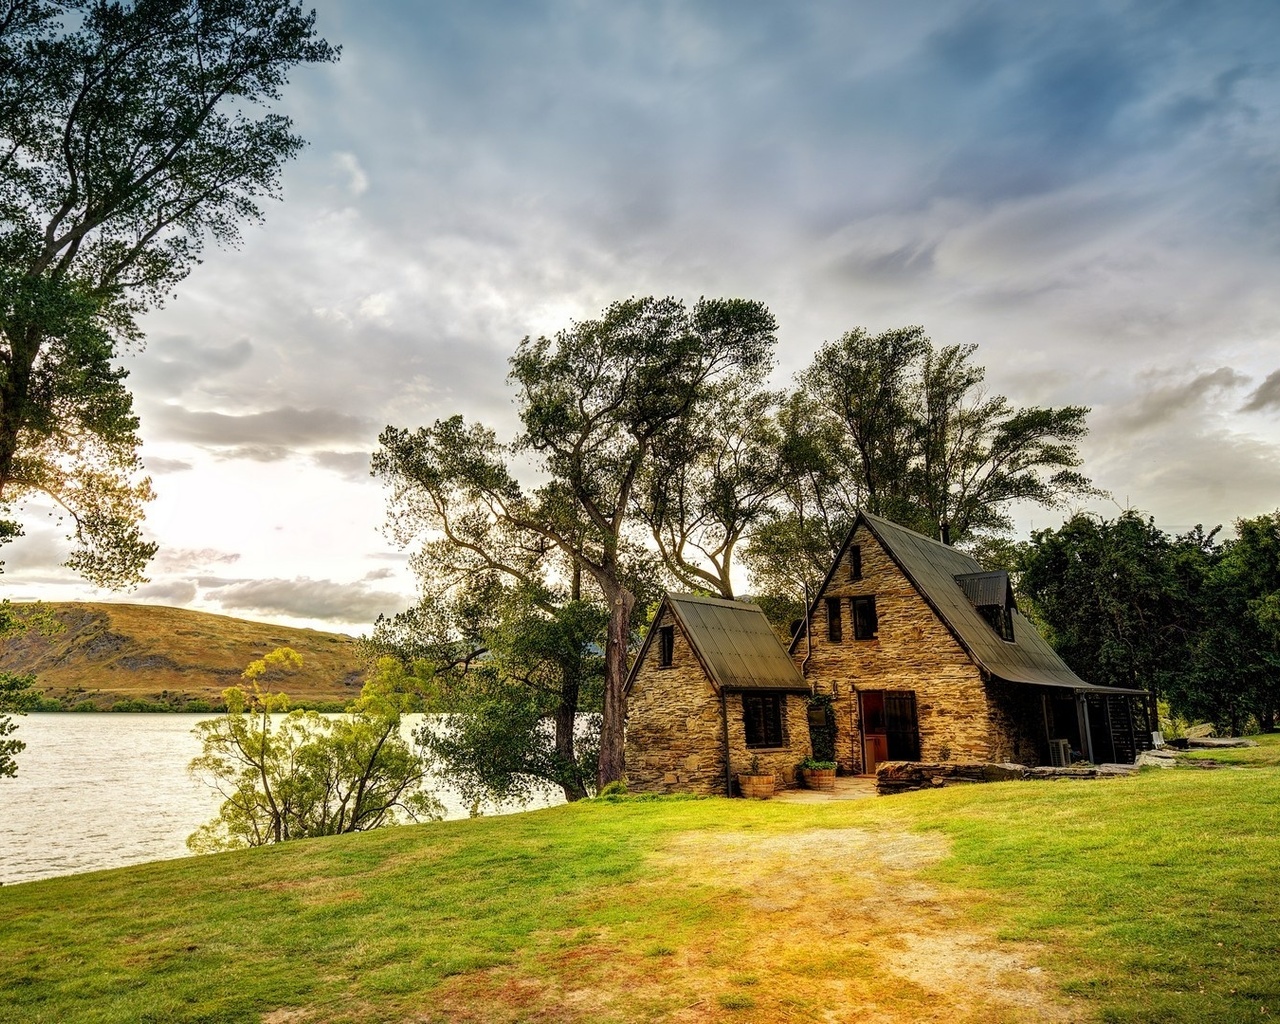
x,y
901,725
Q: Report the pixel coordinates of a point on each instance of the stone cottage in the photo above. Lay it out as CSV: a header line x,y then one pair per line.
x,y
924,655
711,690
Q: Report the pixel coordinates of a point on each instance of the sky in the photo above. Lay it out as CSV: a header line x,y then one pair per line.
x,y
1090,193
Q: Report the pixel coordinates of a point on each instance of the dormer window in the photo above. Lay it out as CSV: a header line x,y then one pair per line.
x,y
991,595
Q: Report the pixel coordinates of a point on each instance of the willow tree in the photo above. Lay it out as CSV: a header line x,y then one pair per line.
x,y
130,133
599,402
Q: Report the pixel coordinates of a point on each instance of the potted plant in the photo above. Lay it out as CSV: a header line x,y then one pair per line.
x,y
755,782
818,774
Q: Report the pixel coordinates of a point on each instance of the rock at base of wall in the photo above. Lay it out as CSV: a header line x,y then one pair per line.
x,y
905,776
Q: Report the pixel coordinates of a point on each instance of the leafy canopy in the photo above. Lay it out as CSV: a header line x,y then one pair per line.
x,y
301,774
129,133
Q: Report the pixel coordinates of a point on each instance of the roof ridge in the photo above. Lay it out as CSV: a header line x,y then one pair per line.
x,y
726,601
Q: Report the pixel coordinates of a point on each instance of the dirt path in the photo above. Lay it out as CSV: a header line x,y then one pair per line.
x,y
845,930
830,925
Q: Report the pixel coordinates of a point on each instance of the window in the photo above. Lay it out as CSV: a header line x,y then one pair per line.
x,y
762,719
855,562
1000,617
835,629
666,645
864,618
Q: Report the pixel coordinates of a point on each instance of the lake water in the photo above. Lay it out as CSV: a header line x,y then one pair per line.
x,y
101,790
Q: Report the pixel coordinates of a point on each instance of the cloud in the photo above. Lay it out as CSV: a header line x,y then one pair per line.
x,y
1212,477
175,559
39,549
1166,402
1266,395
308,599
352,466
175,362
171,592
349,164
267,432
155,464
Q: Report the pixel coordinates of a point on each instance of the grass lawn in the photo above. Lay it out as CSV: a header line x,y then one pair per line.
x,y
1143,899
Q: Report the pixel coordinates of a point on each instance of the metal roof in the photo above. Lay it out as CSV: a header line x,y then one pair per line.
x,y
734,642
986,588
934,569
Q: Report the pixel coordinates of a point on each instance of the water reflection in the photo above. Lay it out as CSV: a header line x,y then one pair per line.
x,y
103,790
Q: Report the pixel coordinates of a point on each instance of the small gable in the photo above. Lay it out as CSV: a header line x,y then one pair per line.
x,y
733,641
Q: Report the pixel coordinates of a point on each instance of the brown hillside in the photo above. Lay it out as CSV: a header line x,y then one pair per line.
x,y
111,652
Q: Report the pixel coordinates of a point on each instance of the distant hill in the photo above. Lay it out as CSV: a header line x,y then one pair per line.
x,y
107,653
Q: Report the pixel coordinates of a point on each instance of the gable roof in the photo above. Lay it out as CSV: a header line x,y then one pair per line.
x,y
946,577
734,642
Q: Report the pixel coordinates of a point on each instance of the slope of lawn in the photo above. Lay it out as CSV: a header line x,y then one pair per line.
x,y
1144,899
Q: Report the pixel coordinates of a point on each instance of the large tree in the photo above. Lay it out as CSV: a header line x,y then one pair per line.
x,y
599,402
502,659
1121,600
1238,636
895,425
714,483
129,134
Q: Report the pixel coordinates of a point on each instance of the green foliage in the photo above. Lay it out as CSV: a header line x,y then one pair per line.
x,y
617,787
1237,644
16,698
1125,604
514,671
896,426
304,775
817,764
601,404
1120,598
126,139
17,692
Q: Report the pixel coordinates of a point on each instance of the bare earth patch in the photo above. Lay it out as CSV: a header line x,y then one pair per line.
x,y
831,925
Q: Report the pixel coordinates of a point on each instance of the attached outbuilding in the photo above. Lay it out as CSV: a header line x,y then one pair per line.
x,y
711,692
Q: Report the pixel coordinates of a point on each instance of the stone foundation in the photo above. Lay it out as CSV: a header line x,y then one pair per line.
x,y
905,776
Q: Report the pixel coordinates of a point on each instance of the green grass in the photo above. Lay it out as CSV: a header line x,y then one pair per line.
x,y
1151,898
1156,894
1265,755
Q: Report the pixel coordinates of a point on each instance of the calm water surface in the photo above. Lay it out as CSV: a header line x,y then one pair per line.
x,y
103,790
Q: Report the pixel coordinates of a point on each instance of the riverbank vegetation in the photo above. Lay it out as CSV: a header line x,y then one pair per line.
x,y
291,774
1132,901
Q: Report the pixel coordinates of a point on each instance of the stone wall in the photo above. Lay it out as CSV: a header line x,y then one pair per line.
x,y
912,650
675,740
1020,718
905,776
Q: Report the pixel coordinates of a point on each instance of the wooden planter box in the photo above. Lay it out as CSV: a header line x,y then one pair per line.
x,y
756,787
819,778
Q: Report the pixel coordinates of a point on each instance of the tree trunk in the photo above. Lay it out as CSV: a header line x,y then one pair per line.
x,y
566,718
15,382
613,763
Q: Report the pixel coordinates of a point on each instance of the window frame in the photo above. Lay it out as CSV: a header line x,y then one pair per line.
x,y
666,645
866,601
772,712
835,620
